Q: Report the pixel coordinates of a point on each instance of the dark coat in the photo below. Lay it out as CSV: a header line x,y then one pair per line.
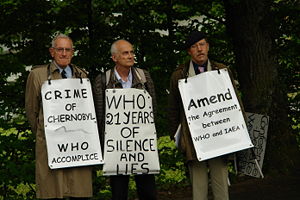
x,y
52,183
99,87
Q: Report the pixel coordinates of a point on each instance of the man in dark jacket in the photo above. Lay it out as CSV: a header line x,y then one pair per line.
x,y
124,75
197,47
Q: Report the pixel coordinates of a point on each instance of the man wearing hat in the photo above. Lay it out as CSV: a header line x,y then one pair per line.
x,y
197,47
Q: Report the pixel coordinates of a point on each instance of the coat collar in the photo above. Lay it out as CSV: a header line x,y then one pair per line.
x,y
186,68
191,71
136,79
53,67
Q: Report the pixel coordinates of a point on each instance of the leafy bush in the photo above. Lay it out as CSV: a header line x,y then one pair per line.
x,y
173,170
17,164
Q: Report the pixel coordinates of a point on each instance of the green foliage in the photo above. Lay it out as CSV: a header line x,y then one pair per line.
x,y
288,43
17,164
101,185
156,29
173,170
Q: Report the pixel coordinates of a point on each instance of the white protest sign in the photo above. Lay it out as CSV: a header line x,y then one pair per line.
x,y
213,114
70,124
258,127
130,136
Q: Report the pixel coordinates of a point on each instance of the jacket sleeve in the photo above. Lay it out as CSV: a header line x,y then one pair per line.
x,y
151,90
174,103
99,102
32,100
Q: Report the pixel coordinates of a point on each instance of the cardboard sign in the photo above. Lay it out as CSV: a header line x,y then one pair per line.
x,y
213,114
70,124
130,136
250,161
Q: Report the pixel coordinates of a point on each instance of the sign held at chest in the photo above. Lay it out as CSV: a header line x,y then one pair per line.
x,y
130,145
71,130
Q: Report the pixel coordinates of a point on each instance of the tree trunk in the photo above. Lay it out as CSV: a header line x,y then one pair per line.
x,y
249,24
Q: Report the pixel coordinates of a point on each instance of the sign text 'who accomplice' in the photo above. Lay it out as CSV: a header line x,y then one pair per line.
x,y
70,124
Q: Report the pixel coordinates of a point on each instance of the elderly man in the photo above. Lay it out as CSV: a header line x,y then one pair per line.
x,y
197,47
124,75
75,183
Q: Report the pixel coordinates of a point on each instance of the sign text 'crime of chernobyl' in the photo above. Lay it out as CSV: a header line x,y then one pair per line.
x,y
70,124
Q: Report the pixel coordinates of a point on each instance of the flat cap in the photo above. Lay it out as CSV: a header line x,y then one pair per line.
x,y
192,38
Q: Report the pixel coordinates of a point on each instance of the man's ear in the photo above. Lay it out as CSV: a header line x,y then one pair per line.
x,y
51,50
114,58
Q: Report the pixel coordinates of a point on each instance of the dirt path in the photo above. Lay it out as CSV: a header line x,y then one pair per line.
x,y
269,188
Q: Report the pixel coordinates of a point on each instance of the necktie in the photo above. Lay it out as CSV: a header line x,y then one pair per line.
x,y
63,74
201,69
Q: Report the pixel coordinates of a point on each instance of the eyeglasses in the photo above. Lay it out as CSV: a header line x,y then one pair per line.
x,y
61,50
200,44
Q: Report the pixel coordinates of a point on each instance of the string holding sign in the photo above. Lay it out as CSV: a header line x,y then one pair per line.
x,y
70,124
214,115
130,145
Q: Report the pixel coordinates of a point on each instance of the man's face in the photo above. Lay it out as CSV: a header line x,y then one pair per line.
x,y
199,52
62,52
124,57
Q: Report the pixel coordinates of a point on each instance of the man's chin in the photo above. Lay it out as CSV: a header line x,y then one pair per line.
x,y
63,65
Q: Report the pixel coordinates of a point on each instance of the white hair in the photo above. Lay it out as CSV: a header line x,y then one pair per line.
x,y
113,48
60,35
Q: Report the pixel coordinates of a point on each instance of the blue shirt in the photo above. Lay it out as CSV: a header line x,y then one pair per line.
x,y
67,69
125,84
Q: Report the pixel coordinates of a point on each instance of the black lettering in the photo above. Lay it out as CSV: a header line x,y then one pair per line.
x,y
76,146
68,94
84,93
127,115
57,94
192,104
133,169
141,103
113,101
76,93
125,101
145,168
202,102
84,146
62,147
228,95
46,95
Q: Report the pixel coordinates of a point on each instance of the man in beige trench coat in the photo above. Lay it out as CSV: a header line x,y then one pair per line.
x,y
75,183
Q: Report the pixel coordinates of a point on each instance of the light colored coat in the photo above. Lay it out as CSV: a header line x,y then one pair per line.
x,y
55,183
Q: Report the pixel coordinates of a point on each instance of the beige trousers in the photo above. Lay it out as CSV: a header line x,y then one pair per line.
x,y
218,171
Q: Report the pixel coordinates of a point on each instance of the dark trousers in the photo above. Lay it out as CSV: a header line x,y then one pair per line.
x,y
145,185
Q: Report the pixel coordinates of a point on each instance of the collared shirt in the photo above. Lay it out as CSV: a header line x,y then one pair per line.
x,y
125,84
67,69
200,68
